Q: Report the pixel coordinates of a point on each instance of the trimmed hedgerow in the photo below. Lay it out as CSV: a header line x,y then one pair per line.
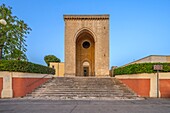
x,y
23,66
140,68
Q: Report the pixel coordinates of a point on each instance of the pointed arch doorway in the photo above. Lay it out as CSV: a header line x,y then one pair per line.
x,y
85,54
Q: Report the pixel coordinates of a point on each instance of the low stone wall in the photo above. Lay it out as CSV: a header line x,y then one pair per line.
x,y
18,84
145,85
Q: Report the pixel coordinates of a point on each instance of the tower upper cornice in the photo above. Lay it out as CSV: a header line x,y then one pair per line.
x,y
86,17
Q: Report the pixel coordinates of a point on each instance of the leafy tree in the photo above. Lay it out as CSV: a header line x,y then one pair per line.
x,y
12,35
51,58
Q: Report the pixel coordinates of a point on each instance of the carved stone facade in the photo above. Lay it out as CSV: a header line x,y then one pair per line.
x,y
86,45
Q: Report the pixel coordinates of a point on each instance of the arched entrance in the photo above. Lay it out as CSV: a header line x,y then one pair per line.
x,y
85,51
86,67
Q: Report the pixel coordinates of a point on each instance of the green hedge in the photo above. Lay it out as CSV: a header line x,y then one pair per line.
x,y
23,66
140,68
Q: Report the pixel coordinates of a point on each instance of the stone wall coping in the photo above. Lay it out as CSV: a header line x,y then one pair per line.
x,y
24,75
144,76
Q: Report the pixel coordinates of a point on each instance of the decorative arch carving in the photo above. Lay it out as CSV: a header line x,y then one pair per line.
x,y
83,30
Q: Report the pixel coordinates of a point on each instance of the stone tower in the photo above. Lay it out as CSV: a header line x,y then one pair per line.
x,y
86,45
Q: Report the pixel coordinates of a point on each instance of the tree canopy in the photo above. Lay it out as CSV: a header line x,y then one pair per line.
x,y
13,35
51,58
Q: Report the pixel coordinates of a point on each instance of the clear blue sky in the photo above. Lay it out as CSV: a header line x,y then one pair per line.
x,y
138,28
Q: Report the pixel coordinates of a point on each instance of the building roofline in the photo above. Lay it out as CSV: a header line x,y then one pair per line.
x,y
158,55
150,56
144,58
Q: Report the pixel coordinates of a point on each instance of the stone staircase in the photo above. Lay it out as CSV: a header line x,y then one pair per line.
x,y
82,88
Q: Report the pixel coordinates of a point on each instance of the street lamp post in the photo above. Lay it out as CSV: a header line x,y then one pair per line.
x,y
3,22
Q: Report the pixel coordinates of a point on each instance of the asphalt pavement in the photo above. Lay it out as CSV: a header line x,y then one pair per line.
x,y
84,106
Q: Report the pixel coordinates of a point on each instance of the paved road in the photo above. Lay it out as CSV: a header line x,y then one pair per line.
x,y
85,106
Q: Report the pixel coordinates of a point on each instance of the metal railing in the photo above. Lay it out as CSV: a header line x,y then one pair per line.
x,y
36,81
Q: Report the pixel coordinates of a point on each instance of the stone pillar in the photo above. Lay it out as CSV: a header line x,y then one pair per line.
x,y
7,91
153,86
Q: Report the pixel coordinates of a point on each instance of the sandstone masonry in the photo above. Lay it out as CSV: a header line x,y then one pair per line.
x,y
93,60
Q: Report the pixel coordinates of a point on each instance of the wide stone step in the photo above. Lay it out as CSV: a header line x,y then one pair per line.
x,y
83,95
85,98
93,88
95,94
80,92
83,90
81,85
86,84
